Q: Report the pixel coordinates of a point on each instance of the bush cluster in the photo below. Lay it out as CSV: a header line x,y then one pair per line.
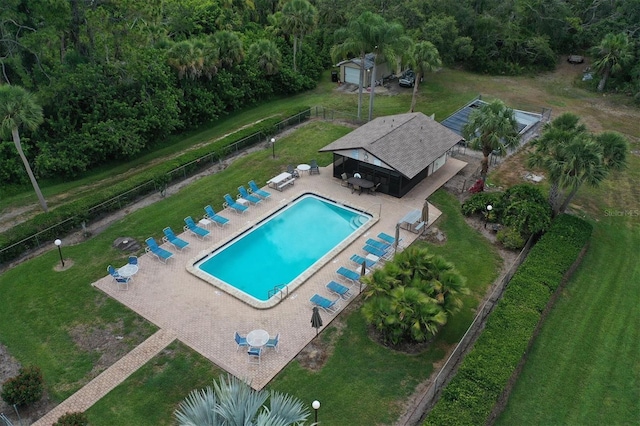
x,y
471,395
72,419
74,213
24,389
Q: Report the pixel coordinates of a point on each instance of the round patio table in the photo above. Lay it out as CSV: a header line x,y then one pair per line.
x,y
257,338
128,270
303,167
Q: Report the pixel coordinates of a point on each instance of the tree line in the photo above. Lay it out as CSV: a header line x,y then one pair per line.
x,y
116,77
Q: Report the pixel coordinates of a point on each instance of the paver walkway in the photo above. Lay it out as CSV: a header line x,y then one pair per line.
x,y
111,377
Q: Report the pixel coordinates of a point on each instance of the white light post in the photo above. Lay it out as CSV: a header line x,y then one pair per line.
x,y
58,243
486,218
273,147
316,405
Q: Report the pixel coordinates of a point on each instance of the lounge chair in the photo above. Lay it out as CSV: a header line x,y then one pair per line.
x,y
330,306
259,192
338,289
171,238
376,251
348,274
153,248
245,195
195,229
212,215
255,355
388,238
314,170
273,343
241,341
237,207
293,172
379,244
359,259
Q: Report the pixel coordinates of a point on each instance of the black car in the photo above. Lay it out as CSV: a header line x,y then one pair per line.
x,y
407,79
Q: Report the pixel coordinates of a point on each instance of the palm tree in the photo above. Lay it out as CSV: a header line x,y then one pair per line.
x,y
298,18
230,50
267,55
572,156
20,108
492,127
232,402
613,52
357,40
194,58
425,59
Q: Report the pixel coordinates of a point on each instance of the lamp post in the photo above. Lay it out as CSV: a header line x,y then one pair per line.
x,y
273,147
58,243
486,217
316,404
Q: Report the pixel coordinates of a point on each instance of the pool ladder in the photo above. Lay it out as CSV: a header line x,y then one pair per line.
x,y
281,289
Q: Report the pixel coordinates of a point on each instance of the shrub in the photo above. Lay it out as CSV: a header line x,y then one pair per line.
x,y
26,388
72,419
510,238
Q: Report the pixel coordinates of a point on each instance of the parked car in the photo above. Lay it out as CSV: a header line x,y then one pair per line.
x,y
407,79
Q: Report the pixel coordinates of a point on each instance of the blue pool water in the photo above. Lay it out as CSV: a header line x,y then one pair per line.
x,y
283,246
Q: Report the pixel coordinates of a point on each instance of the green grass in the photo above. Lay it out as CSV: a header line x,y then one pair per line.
x,y
151,394
583,368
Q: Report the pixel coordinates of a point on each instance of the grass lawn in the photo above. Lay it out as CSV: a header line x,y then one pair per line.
x,y
583,369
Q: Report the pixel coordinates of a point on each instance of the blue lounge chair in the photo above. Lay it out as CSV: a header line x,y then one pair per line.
x,y
388,238
350,275
375,251
330,306
273,343
212,215
195,229
241,341
339,289
153,248
259,192
359,259
229,202
245,195
378,244
171,238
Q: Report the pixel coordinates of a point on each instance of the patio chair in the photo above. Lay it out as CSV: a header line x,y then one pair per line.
x,y
314,170
212,215
170,237
359,259
273,343
113,272
160,253
236,207
255,355
123,283
345,180
292,171
253,188
374,189
240,341
348,274
330,306
190,225
133,260
338,289
245,195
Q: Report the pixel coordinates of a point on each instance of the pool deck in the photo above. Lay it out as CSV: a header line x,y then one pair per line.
x,y
205,318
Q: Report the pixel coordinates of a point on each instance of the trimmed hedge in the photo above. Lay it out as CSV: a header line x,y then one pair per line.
x,y
134,187
471,395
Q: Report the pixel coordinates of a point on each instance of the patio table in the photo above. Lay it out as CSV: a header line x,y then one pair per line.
x,y
257,338
361,183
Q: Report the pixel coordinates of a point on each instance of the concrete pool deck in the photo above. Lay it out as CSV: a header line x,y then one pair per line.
x,y
204,318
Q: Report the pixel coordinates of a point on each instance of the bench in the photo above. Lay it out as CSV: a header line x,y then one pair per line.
x,y
418,227
282,184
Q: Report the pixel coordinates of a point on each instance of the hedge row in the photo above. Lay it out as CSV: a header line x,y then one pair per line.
x,y
471,395
118,195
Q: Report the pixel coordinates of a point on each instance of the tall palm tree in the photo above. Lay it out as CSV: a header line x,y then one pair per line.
x,y
613,52
19,108
572,156
267,55
230,50
425,59
298,18
232,402
193,58
492,127
357,40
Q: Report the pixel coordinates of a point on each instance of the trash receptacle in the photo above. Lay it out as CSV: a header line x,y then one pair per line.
x,y
334,76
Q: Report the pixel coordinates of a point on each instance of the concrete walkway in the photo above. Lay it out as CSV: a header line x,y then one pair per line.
x,y
111,377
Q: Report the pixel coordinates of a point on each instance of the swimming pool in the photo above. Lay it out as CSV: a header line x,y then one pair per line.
x,y
282,250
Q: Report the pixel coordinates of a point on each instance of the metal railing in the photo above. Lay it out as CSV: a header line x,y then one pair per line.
x,y
281,289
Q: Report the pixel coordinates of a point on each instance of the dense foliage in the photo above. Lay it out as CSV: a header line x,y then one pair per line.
x,y
117,77
72,419
470,396
411,297
24,389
